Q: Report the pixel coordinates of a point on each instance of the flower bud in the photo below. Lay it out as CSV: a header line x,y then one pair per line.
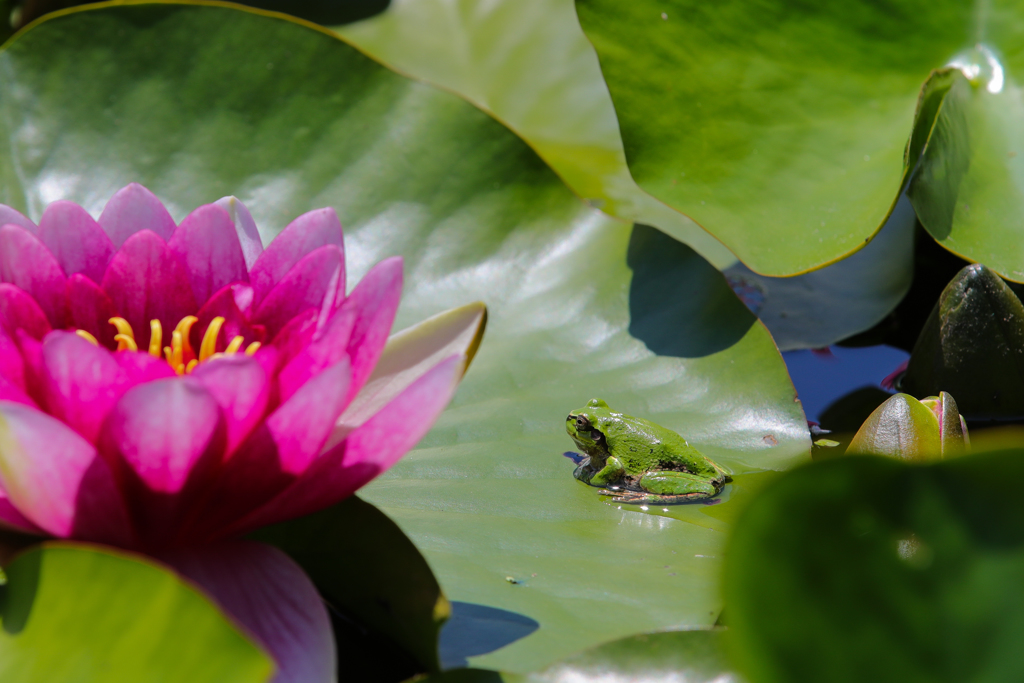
x,y
973,347
908,429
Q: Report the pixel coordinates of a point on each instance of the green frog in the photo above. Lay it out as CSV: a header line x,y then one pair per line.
x,y
638,461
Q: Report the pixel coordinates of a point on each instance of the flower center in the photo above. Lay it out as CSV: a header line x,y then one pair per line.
x,y
179,354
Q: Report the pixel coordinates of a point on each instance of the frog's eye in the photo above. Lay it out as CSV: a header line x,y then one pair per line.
x,y
582,423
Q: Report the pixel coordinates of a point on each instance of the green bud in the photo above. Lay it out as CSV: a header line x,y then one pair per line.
x,y
908,429
973,347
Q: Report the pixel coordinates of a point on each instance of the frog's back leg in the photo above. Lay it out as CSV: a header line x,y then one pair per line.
x,y
669,487
670,483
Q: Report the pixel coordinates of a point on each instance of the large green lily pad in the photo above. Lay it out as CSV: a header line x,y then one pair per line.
x,y
198,102
75,612
881,570
529,64
781,127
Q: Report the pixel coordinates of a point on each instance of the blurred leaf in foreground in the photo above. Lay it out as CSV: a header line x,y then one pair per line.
x,y
868,569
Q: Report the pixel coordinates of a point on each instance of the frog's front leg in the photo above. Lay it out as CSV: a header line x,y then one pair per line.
x,y
612,471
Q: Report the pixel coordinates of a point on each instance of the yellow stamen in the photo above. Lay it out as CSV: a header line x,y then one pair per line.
x,y
235,344
179,354
123,327
87,337
185,328
173,352
156,338
209,344
124,342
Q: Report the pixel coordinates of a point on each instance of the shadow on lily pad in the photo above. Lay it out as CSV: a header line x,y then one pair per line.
x,y
19,594
679,304
478,629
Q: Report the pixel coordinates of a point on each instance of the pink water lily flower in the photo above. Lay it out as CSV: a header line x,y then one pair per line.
x,y
165,388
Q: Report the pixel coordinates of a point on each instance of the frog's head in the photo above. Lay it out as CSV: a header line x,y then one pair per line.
x,y
584,426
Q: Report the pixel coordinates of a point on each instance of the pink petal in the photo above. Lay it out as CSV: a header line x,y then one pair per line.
x,y
19,311
10,518
269,595
303,236
241,386
9,391
132,209
368,451
12,367
375,300
326,347
13,217
26,263
889,381
166,439
81,382
245,227
316,277
57,480
207,244
31,350
140,368
76,240
296,335
89,309
225,304
145,281
358,330
410,354
280,449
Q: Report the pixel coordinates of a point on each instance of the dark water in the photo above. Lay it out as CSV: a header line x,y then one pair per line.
x,y
822,378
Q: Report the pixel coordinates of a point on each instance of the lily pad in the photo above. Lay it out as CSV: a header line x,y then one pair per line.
x,y
969,188
197,102
920,566
782,128
75,612
529,64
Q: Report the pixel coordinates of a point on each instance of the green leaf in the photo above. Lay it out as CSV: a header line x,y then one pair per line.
x,y
364,566
880,570
968,189
820,308
74,612
198,102
781,127
528,63
691,656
